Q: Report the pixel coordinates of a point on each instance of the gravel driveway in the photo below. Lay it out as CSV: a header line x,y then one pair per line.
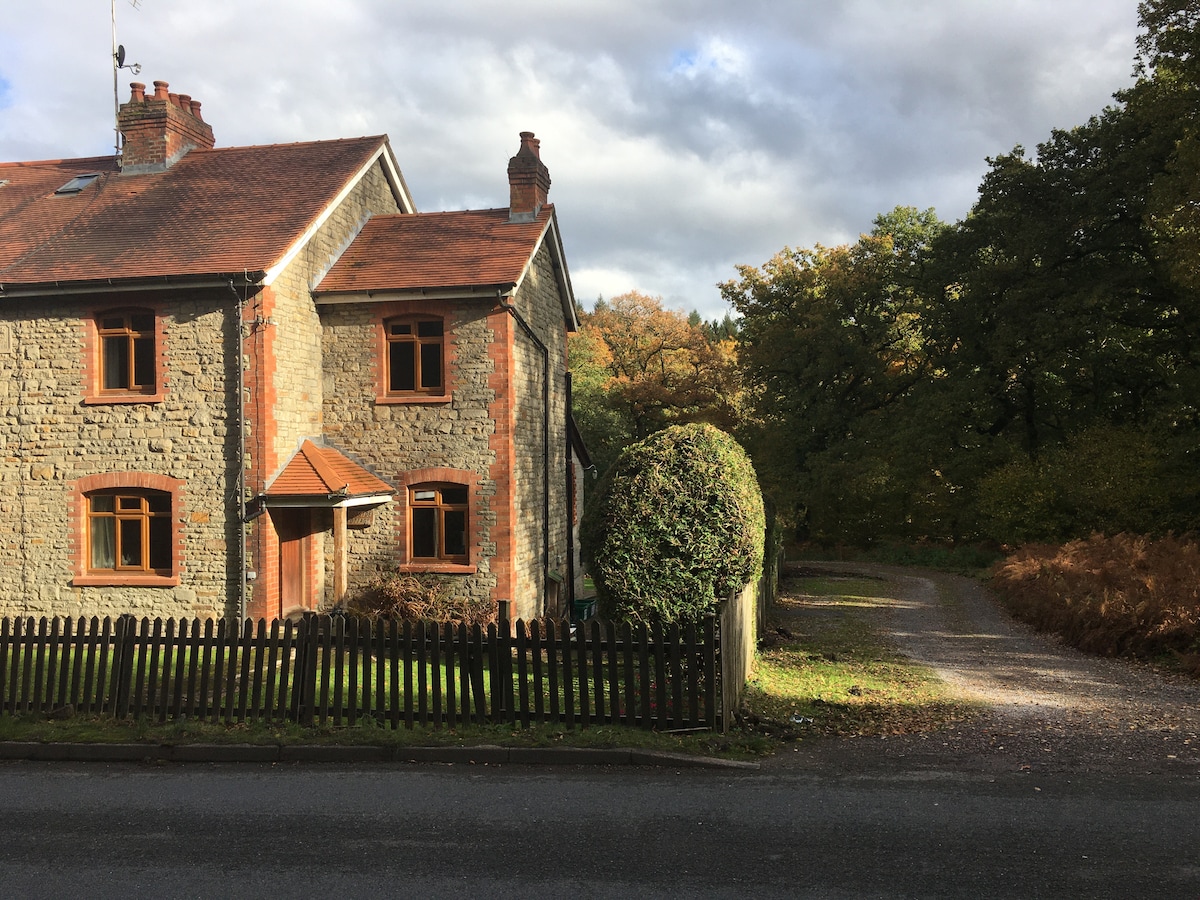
x,y
1049,708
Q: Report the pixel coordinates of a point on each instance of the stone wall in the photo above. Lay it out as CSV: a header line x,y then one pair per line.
x,y
491,425
393,437
538,301
51,439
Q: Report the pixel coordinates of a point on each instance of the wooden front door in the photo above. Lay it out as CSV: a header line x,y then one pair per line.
x,y
294,527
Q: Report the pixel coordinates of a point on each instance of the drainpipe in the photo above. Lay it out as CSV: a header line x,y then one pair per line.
x,y
529,332
572,500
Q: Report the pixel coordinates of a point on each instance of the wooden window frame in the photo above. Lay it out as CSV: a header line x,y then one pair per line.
x,y
419,343
130,507
440,507
438,475
130,485
135,387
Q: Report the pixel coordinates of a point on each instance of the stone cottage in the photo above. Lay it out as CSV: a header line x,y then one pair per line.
x,y
245,380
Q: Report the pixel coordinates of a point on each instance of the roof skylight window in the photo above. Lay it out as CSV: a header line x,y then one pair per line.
x,y
78,183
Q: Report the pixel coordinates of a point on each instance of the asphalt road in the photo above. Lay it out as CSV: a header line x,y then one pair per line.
x,y
95,830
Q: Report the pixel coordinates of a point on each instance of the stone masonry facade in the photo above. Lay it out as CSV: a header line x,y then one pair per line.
x,y
395,440
538,464
56,437
487,432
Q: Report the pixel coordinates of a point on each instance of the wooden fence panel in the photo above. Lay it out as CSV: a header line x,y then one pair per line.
x,y
27,644
420,635
94,669
553,669
168,660
56,653
693,674
595,651
346,670
523,665
675,676
77,652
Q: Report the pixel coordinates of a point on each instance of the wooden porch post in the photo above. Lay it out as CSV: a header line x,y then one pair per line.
x,y
340,552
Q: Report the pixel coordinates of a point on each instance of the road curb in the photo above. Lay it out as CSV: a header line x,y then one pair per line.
x,y
358,753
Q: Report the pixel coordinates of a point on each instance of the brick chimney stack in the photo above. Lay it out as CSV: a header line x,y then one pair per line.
x,y
159,130
528,181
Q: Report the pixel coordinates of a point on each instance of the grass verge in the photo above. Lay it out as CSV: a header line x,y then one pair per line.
x,y
826,669
96,729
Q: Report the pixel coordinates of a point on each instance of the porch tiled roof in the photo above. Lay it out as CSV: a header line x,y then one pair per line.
x,y
465,249
323,471
216,211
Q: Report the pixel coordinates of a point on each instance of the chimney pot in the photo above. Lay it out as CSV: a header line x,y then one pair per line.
x,y
528,180
137,92
159,131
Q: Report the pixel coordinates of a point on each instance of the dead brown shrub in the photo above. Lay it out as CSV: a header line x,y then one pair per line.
x,y
399,595
1125,595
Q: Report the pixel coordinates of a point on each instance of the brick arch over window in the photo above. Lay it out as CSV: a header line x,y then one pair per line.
x,y
134,482
439,476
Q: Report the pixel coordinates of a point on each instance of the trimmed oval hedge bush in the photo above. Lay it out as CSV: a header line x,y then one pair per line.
x,y
674,526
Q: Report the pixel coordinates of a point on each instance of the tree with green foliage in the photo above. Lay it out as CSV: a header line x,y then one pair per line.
x,y
978,380
1165,100
674,526
1071,325
1052,323
831,342
1112,478
638,367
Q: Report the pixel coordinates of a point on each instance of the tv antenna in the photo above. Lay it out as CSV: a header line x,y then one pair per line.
x,y
118,52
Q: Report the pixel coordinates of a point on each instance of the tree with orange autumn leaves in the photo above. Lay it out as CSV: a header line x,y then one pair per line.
x,y
638,367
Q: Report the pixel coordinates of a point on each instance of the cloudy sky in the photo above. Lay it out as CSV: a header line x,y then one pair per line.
x,y
683,137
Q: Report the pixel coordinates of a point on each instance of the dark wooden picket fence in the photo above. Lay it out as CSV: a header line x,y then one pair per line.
x,y
348,671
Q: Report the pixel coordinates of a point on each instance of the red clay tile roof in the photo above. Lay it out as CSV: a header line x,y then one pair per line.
x,y
321,471
473,248
213,212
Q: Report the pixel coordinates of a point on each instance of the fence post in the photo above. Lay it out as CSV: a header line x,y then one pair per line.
x,y
713,699
502,682
305,683
123,653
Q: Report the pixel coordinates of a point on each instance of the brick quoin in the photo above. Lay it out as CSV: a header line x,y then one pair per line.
x,y
264,599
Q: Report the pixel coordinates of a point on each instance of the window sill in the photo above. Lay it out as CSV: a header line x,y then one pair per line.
x,y
118,579
411,399
114,399
436,568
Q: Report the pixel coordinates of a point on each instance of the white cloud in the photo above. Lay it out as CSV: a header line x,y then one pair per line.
x,y
716,58
683,136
